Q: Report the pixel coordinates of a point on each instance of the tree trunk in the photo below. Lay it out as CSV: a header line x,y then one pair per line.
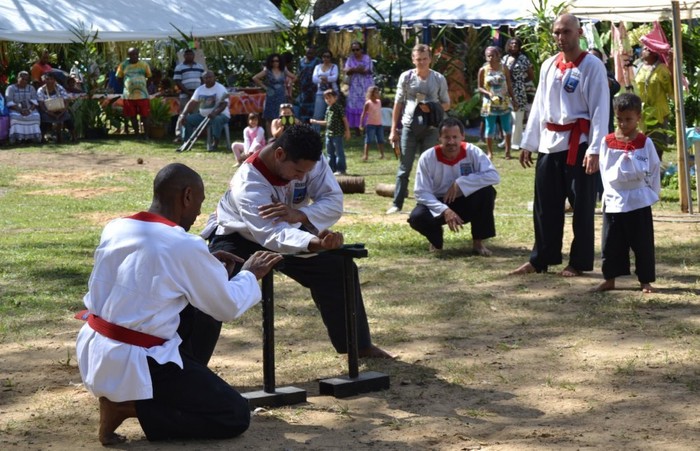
x,y
323,7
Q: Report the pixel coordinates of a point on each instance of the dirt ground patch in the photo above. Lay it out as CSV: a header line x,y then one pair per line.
x,y
512,378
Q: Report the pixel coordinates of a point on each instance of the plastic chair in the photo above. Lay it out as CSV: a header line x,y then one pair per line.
x,y
227,133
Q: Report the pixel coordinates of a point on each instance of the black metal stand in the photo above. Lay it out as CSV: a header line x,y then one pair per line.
x,y
354,383
270,396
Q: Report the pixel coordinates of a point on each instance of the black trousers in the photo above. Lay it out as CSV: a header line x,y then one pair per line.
x,y
191,402
555,182
477,209
622,232
323,275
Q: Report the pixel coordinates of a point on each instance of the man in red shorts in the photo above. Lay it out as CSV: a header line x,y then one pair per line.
x,y
136,102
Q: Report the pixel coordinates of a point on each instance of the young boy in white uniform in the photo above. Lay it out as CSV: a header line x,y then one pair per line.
x,y
629,168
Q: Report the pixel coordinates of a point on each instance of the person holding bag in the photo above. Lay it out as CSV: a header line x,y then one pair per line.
x,y
417,89
53,108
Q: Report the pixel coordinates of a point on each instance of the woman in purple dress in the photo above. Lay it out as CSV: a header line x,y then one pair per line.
x,y
358,69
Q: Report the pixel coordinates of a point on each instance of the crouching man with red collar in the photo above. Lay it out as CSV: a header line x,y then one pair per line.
x,y
152,293
454,186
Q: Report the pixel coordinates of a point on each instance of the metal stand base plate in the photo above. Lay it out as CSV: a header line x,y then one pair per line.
x,y
282,396
344,386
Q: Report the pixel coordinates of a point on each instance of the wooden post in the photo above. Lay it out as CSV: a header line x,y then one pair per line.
x,y
681,147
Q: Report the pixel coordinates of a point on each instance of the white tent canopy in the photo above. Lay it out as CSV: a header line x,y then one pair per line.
x,y
50,21
423,13
633,10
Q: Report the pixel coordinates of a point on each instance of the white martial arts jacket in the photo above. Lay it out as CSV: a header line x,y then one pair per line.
x,y
318,195
147,269
580,92
630,173
472,170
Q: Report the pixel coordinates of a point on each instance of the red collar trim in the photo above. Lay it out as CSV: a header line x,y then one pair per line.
x,y
460,156
628,146
146,216
258,164
559,62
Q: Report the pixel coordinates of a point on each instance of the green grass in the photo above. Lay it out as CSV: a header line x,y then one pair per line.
x,y
440,301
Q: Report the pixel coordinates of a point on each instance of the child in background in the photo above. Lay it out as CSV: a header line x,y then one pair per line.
x,y
629,167
285,119
337,127
253,139
374,131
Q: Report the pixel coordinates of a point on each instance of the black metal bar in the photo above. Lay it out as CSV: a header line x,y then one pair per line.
x,y
349,274
268,313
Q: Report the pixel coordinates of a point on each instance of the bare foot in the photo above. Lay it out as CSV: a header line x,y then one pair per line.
x,y
647,288
570,271
374,352
112,415
480,249
489,155
526,268
606,285
381,157
365,158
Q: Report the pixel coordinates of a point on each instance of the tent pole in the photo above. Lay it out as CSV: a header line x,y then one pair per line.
x,y
683,175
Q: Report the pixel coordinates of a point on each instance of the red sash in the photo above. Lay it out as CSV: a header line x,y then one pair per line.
x,y
119,333
577,128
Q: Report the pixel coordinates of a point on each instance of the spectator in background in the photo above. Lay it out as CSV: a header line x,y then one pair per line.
x,y
655,87
306,99
253,139
371,120
213,101
497,98
336,129
286,118
420,88
187,77
41,67
359,69
53,107
23,104
521,72
273,78
325,77
73,86
135,74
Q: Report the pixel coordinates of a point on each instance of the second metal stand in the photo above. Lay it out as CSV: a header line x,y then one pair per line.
x,y
354,383
270,396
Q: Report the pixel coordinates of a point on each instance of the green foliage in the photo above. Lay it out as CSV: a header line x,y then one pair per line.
x,y
85,51
691,70
15,57
538,43
467,110
296,38
396,52
160,112
87,114
670,180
